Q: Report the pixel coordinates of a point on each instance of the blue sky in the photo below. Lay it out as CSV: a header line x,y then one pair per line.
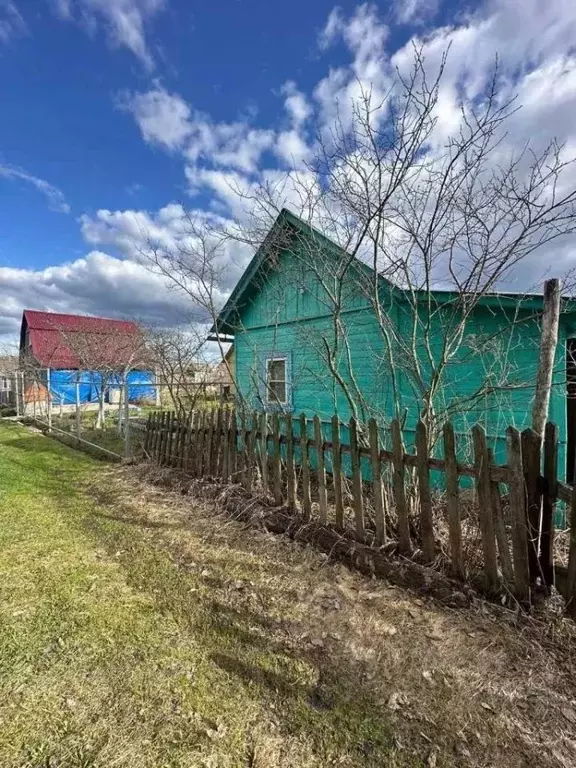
x,y
115,112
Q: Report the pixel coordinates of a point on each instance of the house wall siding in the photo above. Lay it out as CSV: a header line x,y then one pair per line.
x,y
291,314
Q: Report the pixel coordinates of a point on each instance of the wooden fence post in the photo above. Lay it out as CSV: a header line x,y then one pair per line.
x,y
162,437
321,471
306,500
233,451
290,469
531,449
377,494
571,579
517,499
148,434
423,471
167,448
226,446
264,450
500,528
157,435
485,518
250,449
548,344
189,434
453,500
277,459
404,543
200,438
337,472
242,455
210,444
357,490
549,503
217,443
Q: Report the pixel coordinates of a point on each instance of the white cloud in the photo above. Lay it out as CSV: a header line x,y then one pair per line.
x,y
166,119
331,30
415,11
12,23
296,103
56,200
292,149
123,21
227,162
163,118
97,284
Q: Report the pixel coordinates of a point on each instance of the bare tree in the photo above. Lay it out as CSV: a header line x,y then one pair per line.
x,y
184,370
106,357
422,229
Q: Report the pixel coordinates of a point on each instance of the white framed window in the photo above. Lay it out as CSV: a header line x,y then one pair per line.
x,y
276,372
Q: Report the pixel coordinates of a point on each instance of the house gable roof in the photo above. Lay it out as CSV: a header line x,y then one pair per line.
x,y
56,340
497,300
286,221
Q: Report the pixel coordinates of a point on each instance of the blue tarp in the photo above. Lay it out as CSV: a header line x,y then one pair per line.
x,y
63,386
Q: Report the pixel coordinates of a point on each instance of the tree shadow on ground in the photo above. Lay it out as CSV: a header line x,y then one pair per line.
x,y
317,692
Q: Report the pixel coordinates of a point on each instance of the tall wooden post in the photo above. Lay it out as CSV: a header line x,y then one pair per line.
x,y
548,343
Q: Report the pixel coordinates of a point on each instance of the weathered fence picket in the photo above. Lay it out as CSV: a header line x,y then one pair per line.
x,y
357,490
423,468
485,516
404,542
377,490
320,471
337,473
453,500
549,493
290,465
306,498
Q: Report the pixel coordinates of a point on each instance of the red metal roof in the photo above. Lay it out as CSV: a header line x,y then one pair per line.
x,y
77,341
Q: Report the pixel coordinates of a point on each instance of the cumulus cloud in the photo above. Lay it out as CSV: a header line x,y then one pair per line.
x,y
167,120
97,284
12,23
163,118
225,162
123,21
415,11
55,198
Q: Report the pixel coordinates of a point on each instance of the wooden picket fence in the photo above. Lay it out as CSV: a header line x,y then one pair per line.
x,y
325,480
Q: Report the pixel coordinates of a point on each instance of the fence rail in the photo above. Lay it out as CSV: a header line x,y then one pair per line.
x,y
502,527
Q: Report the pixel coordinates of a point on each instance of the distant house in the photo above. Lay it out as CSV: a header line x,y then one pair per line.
x,y
8,385
74,356
281,319
225,374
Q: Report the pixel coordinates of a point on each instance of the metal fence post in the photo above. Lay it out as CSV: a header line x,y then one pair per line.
x,y
16,389
127,446
48,401
78,406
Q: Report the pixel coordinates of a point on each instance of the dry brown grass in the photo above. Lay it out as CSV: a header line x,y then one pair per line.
x,y
475,687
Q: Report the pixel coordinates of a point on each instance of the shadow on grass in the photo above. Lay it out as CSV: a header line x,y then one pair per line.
x,y
318,693
254,650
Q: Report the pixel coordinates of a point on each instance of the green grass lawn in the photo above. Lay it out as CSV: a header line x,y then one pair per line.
x,y
110,654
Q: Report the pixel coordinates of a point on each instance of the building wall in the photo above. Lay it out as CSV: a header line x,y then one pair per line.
x,y
291,315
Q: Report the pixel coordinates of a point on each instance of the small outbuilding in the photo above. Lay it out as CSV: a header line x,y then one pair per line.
x,y
76,357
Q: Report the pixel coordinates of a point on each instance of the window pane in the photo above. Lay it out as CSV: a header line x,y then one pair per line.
x,y
277,391
276,370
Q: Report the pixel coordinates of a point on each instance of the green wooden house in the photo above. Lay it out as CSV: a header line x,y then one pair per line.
x,y
318,331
